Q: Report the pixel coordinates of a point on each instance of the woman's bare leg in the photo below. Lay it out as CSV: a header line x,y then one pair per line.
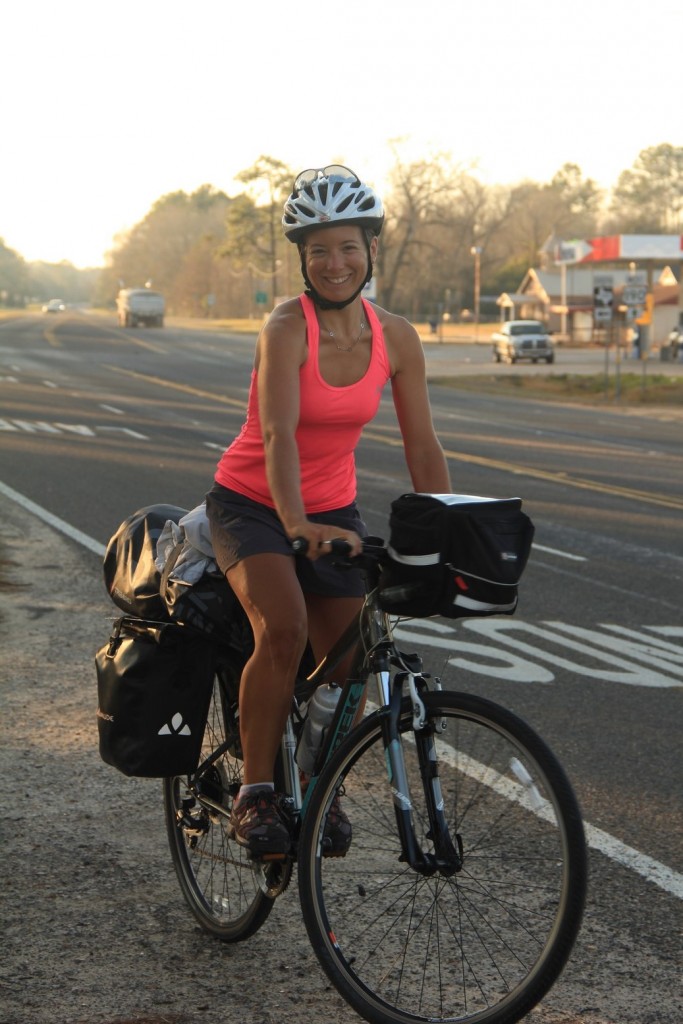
x,y
269,591
328,617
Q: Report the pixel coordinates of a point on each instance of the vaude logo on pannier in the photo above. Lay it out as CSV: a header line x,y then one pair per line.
x,y
176,727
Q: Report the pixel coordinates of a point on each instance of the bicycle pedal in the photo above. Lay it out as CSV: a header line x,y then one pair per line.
x,y
268,858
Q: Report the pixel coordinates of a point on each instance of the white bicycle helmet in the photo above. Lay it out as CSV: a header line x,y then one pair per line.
x,y
330,195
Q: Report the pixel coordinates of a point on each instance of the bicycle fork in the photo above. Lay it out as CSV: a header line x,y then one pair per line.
x,y
447,856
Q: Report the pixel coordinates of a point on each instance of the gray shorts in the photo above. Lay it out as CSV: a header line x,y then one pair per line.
x,y
241,527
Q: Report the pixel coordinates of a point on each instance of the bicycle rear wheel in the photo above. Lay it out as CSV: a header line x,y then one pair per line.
x,y
226,894
483,945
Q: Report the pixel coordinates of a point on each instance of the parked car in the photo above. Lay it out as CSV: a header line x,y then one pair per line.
x,y
54,306
522,339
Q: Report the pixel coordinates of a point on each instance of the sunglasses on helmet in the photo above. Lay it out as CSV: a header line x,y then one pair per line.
x,y
332,170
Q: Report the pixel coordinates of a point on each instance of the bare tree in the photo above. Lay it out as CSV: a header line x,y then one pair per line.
x,y
439,213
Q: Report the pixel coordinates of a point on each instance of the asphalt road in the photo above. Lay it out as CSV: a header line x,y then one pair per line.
x,y
96,422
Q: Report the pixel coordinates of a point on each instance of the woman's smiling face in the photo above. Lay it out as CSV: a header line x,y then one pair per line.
x,y
336,260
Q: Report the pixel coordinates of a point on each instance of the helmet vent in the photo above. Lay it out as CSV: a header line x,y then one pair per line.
x,y
306,211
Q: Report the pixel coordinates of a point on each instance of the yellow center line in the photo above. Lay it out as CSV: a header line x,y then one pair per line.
x,y
542,474
126,335
475,460
51,337
175,386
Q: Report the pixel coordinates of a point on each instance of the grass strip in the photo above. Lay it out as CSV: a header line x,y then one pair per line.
x,y
588,389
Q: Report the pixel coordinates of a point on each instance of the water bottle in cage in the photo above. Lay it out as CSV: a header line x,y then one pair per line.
x,y
319,714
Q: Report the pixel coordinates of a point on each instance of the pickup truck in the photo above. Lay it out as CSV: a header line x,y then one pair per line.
x,y
522,339
140,306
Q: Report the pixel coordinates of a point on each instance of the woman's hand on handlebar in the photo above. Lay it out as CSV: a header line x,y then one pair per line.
x,y
318,538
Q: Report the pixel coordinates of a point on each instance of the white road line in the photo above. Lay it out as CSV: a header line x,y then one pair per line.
x,y
561,554
125,430
647,867
653,870
112,408
51,520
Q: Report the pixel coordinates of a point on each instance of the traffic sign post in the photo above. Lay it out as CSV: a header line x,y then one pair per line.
x,y
603,298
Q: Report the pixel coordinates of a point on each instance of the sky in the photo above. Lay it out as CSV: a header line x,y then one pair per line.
x,y
106,107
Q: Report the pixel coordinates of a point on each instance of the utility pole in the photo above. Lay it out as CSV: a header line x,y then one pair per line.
x,y
476,252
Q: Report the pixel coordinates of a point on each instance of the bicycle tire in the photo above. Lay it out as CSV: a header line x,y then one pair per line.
x,y
483,946
224,890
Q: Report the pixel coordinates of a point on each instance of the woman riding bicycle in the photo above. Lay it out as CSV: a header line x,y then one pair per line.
x,y
321,363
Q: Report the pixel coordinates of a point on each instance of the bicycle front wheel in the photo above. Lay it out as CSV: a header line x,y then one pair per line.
x,y
483,945
224,891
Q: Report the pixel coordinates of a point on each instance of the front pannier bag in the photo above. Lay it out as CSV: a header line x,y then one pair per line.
x,y
455,555
154,684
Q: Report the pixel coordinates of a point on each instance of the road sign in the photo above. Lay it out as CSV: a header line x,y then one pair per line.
x,y
603,298
572,252
634,294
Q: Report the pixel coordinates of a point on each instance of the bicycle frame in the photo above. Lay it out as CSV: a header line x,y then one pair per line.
x,y
369,636
376,655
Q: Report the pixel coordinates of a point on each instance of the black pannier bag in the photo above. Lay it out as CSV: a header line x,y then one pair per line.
x,y
154,684
455,555
136,586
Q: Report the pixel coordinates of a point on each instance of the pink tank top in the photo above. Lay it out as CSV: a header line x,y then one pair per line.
x,y
331,421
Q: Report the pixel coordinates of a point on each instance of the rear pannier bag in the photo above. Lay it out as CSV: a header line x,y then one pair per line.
x,y
455,555
154,684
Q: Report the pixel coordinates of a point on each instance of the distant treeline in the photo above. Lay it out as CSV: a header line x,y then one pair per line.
x,y
225,256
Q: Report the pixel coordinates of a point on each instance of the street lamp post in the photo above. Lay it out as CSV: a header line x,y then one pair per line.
x,y
476,252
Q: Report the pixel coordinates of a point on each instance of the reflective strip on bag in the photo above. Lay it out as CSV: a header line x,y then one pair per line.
x,y
432,559
482,606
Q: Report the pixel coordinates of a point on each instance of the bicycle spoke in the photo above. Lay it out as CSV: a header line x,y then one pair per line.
x,y
217,879
485,941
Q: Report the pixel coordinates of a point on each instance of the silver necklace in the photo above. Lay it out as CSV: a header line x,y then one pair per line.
x,y
344,348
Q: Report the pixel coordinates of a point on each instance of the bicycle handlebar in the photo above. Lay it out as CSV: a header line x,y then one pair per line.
x,y
374,551
338,546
